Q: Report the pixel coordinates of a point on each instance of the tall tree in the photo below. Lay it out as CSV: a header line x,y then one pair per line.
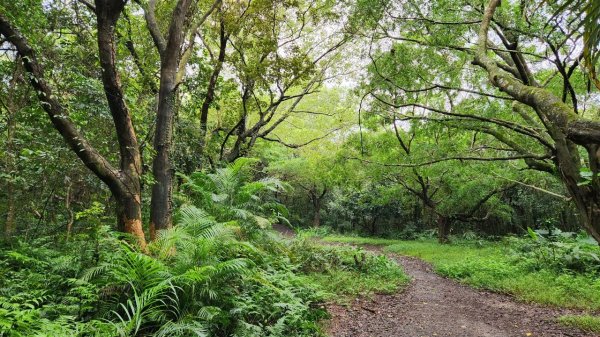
x,y
123,182
172,67
567,129
541,116
11,104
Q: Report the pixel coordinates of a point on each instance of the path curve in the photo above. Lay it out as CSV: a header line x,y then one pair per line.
x,y
433,306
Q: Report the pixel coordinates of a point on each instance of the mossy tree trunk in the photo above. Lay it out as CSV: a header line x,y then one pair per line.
x,y
568,131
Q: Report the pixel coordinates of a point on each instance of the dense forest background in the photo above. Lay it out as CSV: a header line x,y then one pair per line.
x,y
162,123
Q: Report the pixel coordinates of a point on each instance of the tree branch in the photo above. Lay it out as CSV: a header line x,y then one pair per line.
x,y
57,113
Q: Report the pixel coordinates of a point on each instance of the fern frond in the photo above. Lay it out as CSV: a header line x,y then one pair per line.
x,y
176,329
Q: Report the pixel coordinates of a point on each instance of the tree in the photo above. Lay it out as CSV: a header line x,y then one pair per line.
x,y
310,175
537,118
172,67
123,181
276,68
568,130
14,102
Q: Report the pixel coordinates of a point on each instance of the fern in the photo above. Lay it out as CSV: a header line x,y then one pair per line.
x,y
230,194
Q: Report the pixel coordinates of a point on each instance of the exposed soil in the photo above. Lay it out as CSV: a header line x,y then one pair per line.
x,y
435,306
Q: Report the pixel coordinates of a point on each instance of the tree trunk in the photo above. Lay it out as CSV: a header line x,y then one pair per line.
x,y
68,207
374,225
591,218
317,216
129,217
161,205
14,103
10,225
588,208
443,229
125,186
160,211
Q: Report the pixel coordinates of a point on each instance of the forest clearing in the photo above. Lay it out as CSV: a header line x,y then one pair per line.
x,y
282,168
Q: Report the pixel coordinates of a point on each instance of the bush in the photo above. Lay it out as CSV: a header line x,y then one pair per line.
x,y
562,252
346,271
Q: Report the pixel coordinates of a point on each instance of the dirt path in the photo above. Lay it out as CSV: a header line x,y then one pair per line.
x,y
435,306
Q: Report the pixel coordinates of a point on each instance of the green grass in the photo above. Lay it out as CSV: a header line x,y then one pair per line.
x,y
360,240
584,322
490,266
344,273
342,286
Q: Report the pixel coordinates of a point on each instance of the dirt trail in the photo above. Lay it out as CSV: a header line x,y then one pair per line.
x,y
435,306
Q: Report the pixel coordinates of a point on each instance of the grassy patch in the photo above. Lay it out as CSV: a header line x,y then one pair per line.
x,y
342,286
359,240
344,273
491,266
585,322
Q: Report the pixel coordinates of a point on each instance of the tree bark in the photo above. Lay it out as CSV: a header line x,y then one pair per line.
x,y
68,197
588,208
10,225
12,106
129,215
317,216
317,201
161,205
443,229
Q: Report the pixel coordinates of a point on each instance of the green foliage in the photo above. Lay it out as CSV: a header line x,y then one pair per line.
x,y
214,273
41,293
345,272
410,143
232,193
586,323
561,251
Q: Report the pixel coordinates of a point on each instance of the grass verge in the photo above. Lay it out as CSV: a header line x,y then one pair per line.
x,y
492,267
584,322
342,286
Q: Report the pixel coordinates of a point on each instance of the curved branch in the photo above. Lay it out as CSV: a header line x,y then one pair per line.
x,y
295,146
458,158
57,113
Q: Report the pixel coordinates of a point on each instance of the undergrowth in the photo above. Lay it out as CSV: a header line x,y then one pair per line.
x,y
218,272
199,280
344,272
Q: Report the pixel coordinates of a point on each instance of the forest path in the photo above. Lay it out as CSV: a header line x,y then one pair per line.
x,y
435,306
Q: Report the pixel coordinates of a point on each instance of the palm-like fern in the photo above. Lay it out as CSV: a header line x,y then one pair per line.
x,y
165,295
230,194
